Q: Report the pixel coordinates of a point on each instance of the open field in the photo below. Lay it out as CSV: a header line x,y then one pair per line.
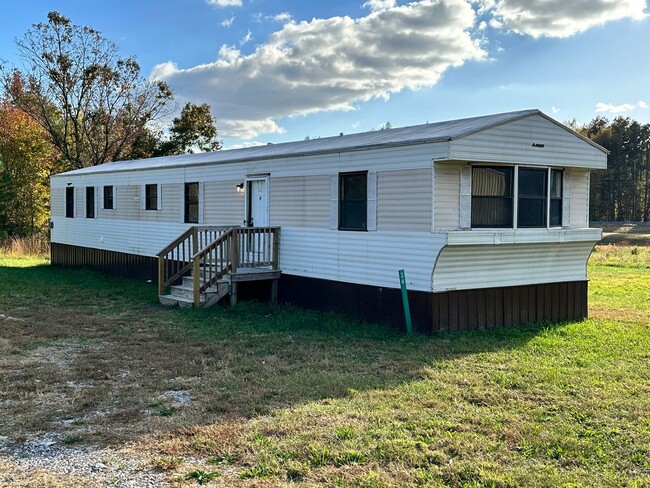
x,y
95,374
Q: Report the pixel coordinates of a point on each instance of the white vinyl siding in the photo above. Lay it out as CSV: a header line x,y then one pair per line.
x,y
372,258
579,203
447,196
513,142
300,201
222,203
489,266
404,200
57,203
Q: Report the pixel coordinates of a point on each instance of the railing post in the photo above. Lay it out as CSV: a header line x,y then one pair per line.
x,y
161,275
196,285
234,251
276,249
195,241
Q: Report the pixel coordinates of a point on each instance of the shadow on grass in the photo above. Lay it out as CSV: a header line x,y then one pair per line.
x,y
99,351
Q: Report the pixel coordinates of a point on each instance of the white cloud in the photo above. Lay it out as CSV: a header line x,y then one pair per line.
x,y
282,17
329,64
246,39
379,5
614,109
555,109
246,129
228,22
557,18
642,104
225,3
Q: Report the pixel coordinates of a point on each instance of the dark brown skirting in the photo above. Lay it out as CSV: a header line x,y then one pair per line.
x,y
111,263
448,311
431,312
143,268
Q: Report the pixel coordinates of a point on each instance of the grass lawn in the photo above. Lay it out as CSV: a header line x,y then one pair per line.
x,y
261,395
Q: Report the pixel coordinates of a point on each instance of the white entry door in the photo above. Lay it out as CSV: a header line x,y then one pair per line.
x,y
258,202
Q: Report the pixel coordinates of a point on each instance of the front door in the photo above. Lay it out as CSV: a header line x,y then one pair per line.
x,y
258,203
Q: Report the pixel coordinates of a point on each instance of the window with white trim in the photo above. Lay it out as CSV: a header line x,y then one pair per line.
x,y
151,197
516,197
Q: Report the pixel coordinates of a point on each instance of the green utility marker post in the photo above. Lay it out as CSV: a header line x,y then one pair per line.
x,y
405,302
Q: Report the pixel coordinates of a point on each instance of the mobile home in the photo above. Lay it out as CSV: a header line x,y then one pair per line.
x,y
487,216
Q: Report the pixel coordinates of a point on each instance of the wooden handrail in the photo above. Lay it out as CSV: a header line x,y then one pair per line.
x,y
175,259
212,252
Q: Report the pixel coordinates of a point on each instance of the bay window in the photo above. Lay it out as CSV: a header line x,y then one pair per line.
x,y
513,196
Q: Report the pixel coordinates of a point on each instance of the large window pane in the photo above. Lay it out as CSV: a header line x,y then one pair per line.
x,y
491,196
531,211
192,203
353,201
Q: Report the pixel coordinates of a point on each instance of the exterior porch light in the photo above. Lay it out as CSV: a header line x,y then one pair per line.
x,y
240,188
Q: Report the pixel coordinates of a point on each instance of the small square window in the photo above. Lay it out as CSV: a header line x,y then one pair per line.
x,y
109,202
151,197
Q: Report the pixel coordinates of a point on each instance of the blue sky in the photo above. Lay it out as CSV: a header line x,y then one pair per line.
x,y
282,70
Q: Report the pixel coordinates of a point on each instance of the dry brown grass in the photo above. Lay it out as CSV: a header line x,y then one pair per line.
x,y
36,245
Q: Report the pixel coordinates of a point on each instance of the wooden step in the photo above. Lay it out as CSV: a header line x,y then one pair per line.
x,y
183,296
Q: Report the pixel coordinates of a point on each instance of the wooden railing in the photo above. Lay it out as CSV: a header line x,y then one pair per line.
x,y
217,251
175,260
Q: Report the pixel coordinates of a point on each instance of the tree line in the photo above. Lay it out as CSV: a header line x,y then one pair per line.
x,y
77,103
622,192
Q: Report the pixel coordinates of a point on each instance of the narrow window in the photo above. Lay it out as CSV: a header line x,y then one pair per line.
x,y
492,196
108,198
192,203
69,202
90,202
557,175
151,197
532,197
353,201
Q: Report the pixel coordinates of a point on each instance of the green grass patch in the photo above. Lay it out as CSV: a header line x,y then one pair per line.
x,y
281,395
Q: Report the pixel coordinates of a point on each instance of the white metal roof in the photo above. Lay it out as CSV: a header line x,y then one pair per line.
x,y
417,134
